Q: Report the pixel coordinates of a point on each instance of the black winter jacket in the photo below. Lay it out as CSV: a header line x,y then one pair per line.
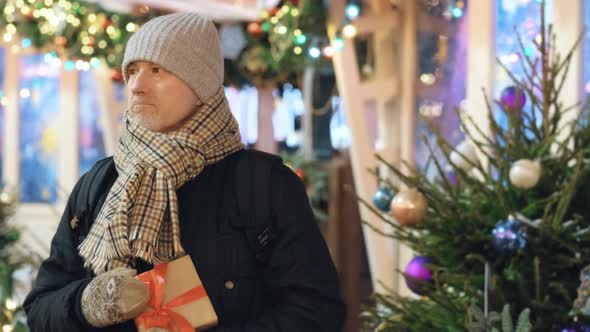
x,y
296,290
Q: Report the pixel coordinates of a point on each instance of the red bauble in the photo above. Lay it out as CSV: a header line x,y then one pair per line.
x,y
106,24
255,30
60,41
273,11
117,75
300,173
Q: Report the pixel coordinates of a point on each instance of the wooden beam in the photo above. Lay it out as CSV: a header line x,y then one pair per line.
x,y
68,131
481,22
384,21
11,158
379,88
266,107
380,249
568,26
408,109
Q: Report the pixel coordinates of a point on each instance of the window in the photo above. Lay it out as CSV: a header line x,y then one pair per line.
x,y
92,145
38,118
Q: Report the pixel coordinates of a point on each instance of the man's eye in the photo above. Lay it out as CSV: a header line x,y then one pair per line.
x,y
155,70
131,72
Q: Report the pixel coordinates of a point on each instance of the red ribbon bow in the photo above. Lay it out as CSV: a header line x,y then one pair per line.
x,y
163,316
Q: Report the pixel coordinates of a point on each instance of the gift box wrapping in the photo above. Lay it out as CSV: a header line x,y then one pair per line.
x,y
178,300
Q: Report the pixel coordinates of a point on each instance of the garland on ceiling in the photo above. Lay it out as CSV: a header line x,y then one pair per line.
x,y
282,43
84,33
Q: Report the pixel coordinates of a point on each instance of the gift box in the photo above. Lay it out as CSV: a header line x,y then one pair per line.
x,y
178,300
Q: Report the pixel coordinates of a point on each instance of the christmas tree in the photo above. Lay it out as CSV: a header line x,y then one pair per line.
x,y
504,226
12,257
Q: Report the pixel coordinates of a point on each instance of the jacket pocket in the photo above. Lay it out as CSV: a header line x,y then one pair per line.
x,y
240,282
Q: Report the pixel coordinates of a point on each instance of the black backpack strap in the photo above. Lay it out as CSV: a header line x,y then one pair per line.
x,y
91,190
253,190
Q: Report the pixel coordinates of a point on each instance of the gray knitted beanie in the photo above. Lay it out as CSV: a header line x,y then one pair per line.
x,y
185,44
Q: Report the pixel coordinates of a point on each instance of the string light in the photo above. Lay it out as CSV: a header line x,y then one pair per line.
x,y
8,37
10,304
301,39
26,42
349,31
352,11
328,52
457,12
282,29
297,50
10,28
131,27
95,62
69,65
338,43
25,93
295,12
315,52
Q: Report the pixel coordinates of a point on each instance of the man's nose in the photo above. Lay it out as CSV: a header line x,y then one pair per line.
x,y
139,83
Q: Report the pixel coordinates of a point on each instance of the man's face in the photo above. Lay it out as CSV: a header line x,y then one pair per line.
x,y
158,100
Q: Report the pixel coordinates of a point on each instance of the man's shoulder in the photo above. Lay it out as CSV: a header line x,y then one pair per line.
x,y
100,164
257,156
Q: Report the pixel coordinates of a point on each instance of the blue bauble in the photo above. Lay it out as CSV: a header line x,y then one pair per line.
x,y
508,237
382,199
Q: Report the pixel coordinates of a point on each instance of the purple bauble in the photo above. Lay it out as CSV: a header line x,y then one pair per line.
x,y
452,178
509,99
418,276
574,327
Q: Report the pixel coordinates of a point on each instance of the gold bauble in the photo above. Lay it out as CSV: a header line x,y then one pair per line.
x,y
7,198
409,207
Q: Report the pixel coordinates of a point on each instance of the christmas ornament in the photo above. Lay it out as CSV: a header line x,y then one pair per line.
x,y
574,327
525,174
7,198
464,156
107,23
452,178
409,206
60,41
513,97
116,75
255,30
13,235
417,275
382,199
300,173
582,302
508,236
273,11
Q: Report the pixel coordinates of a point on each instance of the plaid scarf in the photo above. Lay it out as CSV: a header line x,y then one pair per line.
x,y
140,215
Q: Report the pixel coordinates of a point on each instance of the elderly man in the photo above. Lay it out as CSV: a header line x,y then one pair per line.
x,y
170,191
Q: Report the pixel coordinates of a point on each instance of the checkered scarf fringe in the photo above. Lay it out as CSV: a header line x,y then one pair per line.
x,y
140,215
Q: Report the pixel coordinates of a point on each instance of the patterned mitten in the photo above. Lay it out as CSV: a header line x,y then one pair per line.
x,y
114,297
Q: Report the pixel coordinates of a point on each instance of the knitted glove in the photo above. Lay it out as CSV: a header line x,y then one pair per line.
x,y
114,297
